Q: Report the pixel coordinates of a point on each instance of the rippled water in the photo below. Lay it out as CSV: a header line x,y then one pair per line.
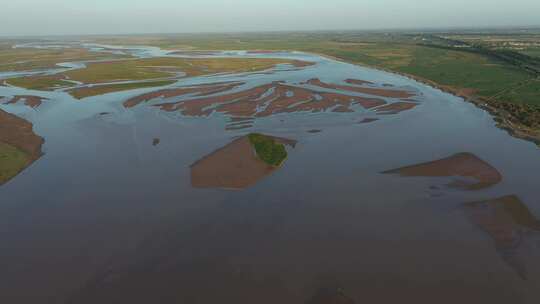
x,y
161,204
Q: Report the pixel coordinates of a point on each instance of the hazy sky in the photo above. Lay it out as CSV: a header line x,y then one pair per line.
x,y
37,17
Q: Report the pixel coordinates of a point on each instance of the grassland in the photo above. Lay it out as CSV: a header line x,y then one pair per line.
x,y
43,83
19,145
12,161
463,70
157,69
25,59
533,52
84,92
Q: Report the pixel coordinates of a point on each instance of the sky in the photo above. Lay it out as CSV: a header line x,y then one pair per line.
x,y
60,17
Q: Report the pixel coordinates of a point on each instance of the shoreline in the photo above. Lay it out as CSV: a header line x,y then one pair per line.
x,y
500,116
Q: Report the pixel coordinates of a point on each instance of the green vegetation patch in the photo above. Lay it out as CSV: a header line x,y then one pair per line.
x,y
157,71
533,52
464,70
25,59
162,67
268,150
42,83
12,161
81,93
528,92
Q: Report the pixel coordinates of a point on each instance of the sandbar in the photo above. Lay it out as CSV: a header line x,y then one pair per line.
x,y
461,164
235,166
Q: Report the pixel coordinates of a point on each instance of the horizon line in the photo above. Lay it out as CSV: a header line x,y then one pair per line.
x,y
403,29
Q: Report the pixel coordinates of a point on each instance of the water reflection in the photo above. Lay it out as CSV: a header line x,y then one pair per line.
x,y
235,166
513,228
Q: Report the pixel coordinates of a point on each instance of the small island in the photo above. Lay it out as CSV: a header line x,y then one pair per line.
x,y
241,163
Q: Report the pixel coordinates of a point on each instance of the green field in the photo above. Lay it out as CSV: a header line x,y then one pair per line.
x,y
533,52
268,150
529,92
12,161
463,70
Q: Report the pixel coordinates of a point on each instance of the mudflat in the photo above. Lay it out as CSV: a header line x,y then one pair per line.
x,y
29,100
512,226
235,166
261,101
462,164
392,93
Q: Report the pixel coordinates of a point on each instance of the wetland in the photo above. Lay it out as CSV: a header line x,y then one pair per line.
x,y
130,173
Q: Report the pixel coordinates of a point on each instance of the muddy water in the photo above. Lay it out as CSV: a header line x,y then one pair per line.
x,y
124,208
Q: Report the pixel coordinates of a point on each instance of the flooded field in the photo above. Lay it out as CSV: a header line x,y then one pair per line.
x,y
390,189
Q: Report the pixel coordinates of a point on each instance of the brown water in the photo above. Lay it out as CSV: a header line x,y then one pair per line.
x,y
407,195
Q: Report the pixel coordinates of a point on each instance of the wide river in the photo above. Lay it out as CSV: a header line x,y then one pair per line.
x,y
393,191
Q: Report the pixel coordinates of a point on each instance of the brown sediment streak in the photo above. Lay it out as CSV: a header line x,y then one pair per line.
x,y
370,91
462,164
240,119
234,166
367,120
342,109
246,103
369,103
238,123
396,107
507,220
327,101
271,99
29,100
242,103
358,81
301,63
18,133
289,99
238,127
515,211
176,92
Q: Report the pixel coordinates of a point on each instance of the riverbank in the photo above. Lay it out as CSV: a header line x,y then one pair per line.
x,y
19,146
511,122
